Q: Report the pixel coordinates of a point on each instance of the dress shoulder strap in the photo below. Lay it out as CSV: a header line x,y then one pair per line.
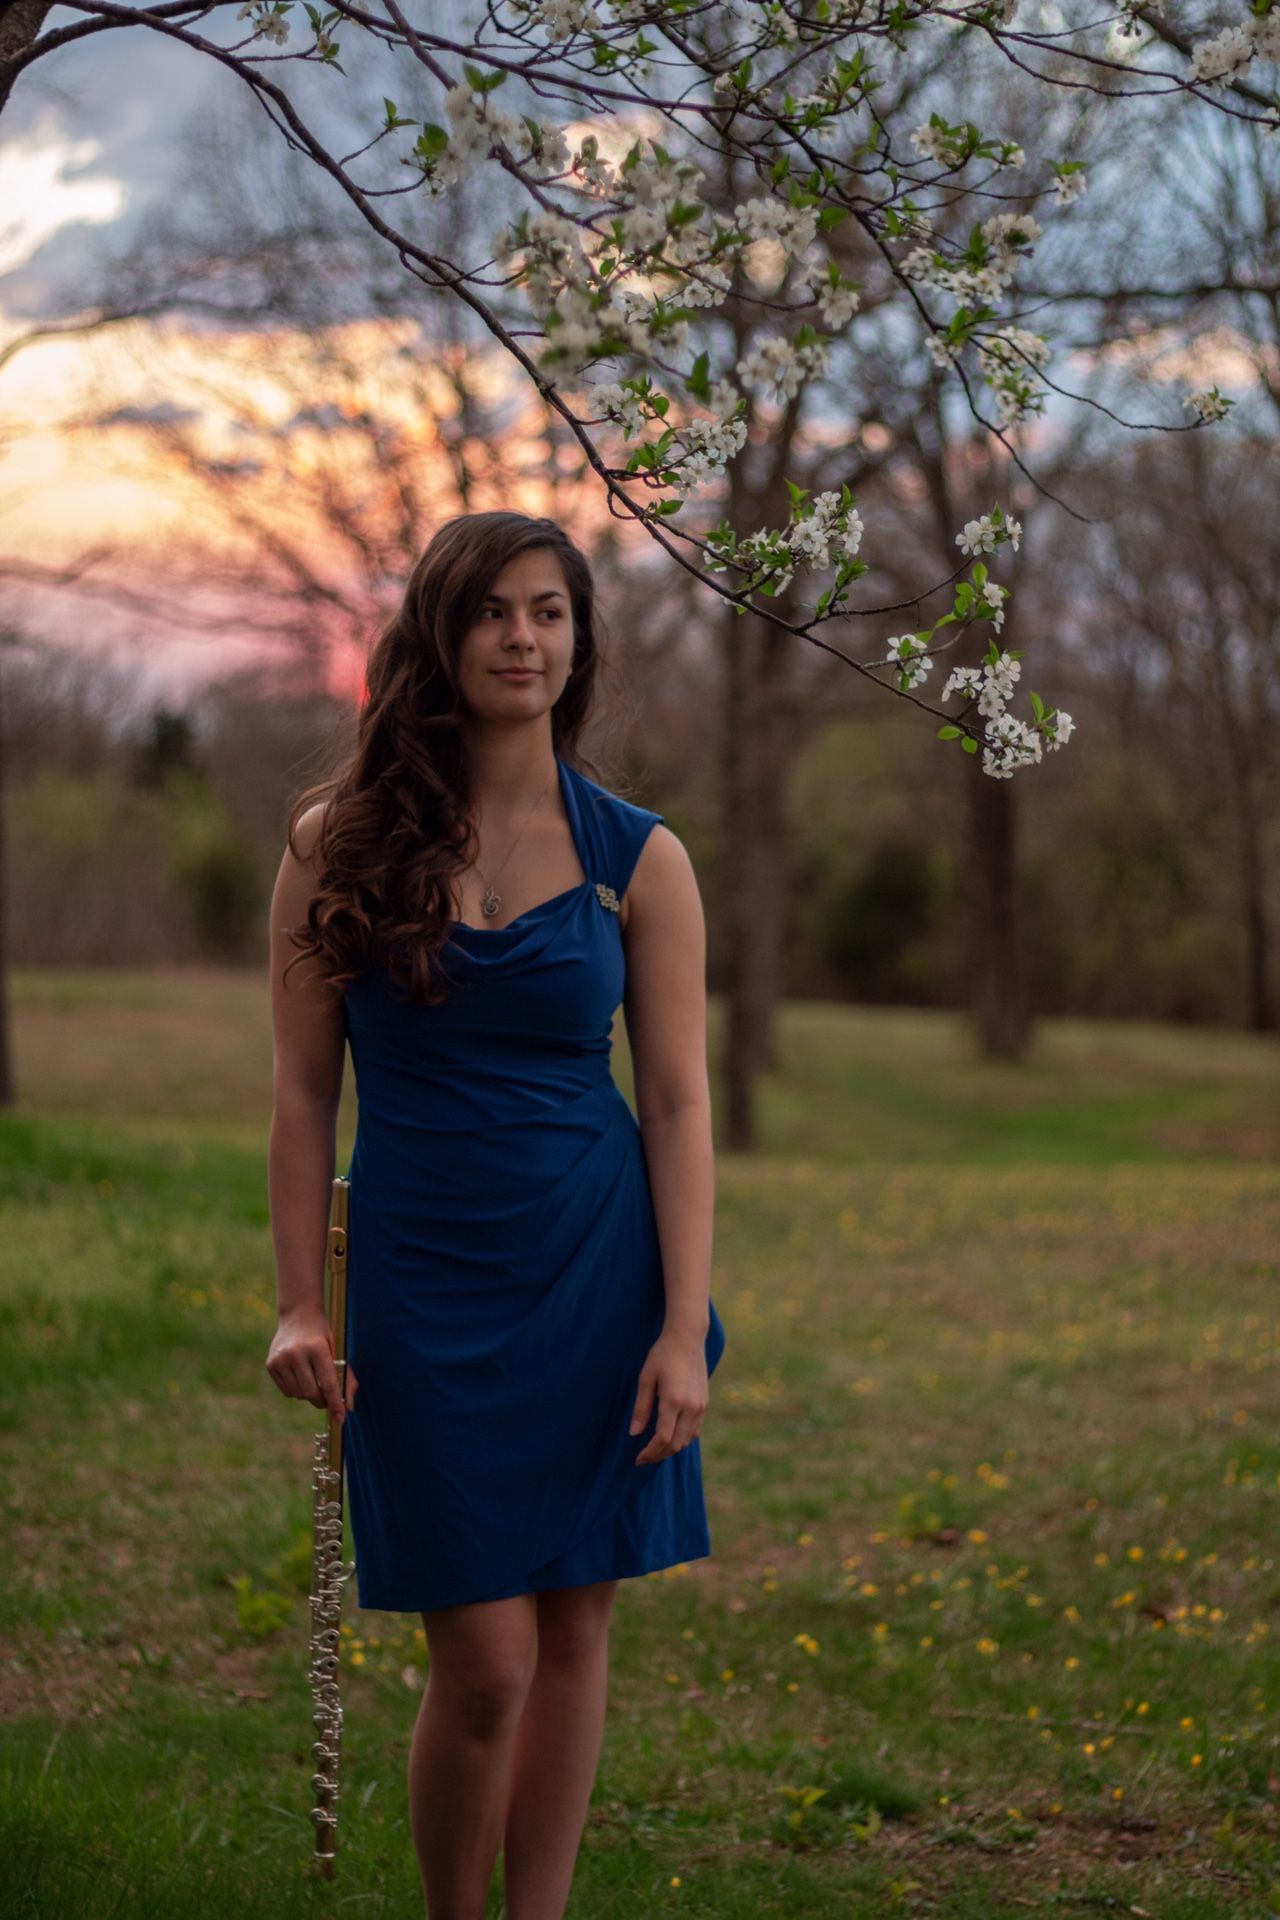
x,y
614,831
632,827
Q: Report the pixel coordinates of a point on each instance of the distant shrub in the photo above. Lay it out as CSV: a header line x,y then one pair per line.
x,y
214,867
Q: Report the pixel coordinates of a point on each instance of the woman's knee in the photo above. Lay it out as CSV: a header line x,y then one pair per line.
x,y
481,1661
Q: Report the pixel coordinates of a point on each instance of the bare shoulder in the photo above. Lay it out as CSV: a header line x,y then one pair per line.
x,y
296,880
308,1021
663,852
306,833
663,881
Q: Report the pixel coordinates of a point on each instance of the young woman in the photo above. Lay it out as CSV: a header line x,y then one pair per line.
x,y
530,1331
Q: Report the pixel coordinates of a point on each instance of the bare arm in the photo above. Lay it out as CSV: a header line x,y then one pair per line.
x,y
666,1016
309,1044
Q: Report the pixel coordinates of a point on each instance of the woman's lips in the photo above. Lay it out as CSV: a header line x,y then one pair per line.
x,y
518,673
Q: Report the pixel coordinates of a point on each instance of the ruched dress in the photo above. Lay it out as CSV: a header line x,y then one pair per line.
x,y
504,1274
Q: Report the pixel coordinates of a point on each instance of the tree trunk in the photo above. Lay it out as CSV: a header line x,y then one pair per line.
x,y
738,1048
997,971
1253,897
1262,1013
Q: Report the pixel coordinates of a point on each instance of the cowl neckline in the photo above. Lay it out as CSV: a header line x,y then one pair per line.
x,y
530,930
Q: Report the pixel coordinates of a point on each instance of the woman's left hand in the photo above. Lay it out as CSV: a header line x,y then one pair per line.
x,y
675,1369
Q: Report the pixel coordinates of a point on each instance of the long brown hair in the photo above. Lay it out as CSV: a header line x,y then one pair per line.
x,y
396,825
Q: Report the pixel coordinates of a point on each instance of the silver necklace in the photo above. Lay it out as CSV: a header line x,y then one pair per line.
x,y
492,899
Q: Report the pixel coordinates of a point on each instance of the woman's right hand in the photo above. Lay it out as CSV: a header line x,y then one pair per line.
x,y
300,1361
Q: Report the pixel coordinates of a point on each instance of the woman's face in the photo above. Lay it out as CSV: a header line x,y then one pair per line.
x,y
526,622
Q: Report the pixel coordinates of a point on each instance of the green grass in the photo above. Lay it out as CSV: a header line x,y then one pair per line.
x,y
989,1627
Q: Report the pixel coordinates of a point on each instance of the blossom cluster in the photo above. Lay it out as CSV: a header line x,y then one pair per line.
x,y
1215,61
1208,403
1010,358
832,523
983,534
1010,742
952,146
1003,235
710,444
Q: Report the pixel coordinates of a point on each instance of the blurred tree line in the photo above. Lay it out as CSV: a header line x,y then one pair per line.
x,y
144,832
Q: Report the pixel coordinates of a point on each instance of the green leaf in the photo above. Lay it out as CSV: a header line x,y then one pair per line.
x,y
948,733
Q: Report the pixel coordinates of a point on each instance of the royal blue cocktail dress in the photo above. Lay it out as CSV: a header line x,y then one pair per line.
x,y
504,1276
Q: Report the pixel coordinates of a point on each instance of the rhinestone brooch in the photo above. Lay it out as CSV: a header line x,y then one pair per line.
x,y
606,896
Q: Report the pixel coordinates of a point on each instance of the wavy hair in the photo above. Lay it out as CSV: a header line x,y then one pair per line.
x,y
395,827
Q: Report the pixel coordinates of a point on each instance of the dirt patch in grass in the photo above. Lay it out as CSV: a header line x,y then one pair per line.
x,y
1069,1848
48,1678
1243,1142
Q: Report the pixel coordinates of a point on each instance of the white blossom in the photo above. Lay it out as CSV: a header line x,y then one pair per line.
x,y
766,216
1264,30
712,444
961,680
1001,229
1207,403
980,536
837,305
779,367
1214,61
266,21
561,18
932,143
621,404
908,653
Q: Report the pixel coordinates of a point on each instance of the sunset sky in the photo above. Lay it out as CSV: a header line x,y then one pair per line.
x,y
88,146
86,143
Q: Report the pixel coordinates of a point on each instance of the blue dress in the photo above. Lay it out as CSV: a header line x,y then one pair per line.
x,y
504,1275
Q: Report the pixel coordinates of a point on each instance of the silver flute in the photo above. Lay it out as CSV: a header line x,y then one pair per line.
x,y
329,1573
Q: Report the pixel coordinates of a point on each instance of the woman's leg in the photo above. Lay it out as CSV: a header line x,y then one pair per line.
x,y
557,1750
481,1661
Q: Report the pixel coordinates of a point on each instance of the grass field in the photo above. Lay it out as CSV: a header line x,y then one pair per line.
x,y
993,1468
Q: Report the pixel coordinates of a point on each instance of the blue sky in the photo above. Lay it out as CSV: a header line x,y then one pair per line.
x,y
87,138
